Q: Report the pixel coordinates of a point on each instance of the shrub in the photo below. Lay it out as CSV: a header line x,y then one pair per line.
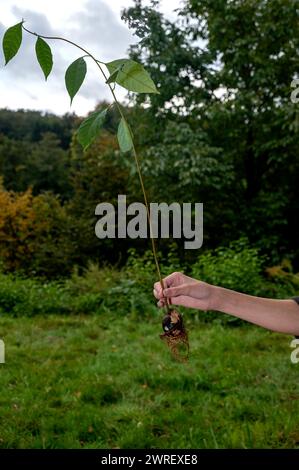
x,y
133,292
241,267
106,290
237,267
20,296
93,279
282,281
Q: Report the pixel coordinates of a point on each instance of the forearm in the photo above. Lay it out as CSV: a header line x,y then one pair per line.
x,y
276,315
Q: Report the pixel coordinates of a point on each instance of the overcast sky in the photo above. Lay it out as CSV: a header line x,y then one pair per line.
x,y
94,24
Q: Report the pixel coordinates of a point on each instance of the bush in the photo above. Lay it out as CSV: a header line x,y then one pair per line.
x,y
126,291
20,296
238,267
90,291
282,281
106,290
133,292
93,279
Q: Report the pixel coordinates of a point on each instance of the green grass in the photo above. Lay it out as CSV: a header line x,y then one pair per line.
x,y
109,382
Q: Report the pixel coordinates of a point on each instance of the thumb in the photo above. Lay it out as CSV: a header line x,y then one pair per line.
x,y
183,289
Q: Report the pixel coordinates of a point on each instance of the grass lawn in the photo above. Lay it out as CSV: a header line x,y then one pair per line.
x,y
109,382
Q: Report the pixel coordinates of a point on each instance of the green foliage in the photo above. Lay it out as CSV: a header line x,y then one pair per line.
x,y
128,291
43,165
241,267
26,297
238,267
133,292
54,247
282,280
184,163
26,126
130,75
90,127
93,279
226,70
172,57
44,56
91,185
12,41
74,76
21,296
214,134
124,136
113,76
47,167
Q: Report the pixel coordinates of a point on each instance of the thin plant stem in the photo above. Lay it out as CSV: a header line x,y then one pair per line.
x,y
98,63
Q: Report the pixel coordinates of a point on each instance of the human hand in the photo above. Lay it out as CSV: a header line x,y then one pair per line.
x,y
180,289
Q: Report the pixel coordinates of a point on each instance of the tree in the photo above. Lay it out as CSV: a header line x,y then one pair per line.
x,y
34,151
98,175
35,234
226,68
48,167
29,126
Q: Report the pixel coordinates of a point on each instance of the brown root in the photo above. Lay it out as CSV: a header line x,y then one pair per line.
x,y
175,335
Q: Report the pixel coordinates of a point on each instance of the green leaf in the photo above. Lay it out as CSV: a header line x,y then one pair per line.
x,y
12,41
44,56
124,136
74,76
113,76
90,128
131,76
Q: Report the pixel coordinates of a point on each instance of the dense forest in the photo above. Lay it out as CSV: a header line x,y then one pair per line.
x,y
223,131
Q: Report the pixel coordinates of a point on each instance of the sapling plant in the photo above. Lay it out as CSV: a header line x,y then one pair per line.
x,y
132,76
